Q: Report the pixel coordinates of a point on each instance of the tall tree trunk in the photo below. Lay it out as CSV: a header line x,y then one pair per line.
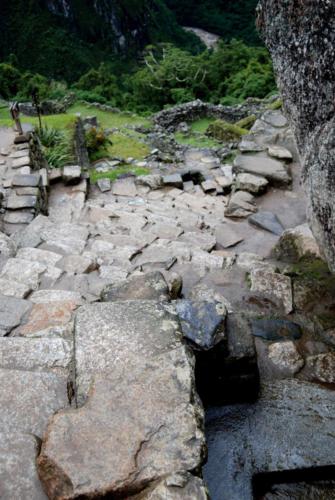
x,y
300,35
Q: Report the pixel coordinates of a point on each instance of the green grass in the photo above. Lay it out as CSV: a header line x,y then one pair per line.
x,y
114,174
195,141
108,119
123,146
201,125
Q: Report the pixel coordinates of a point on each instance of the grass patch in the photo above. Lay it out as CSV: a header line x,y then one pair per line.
x,y
123,146
196,141
108,119
114,174
200,126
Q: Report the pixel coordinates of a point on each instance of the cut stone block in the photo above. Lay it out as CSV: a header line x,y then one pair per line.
x,y
21,162
12,311
273,170
15,202
71,174
32,180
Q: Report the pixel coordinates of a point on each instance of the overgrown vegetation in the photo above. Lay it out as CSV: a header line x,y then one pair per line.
x,y
56,146
167,76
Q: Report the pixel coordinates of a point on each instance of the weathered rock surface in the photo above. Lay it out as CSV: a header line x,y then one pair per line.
x,y
267,221
203,323
291,31
179,486
142,403
241,204
272,435
273,284
273,170
151,286
251,183
296,244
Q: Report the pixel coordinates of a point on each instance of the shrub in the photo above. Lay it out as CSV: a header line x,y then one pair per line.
x,y
56,147
96,140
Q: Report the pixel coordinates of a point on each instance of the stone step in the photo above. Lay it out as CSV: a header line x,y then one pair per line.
x,y
138,377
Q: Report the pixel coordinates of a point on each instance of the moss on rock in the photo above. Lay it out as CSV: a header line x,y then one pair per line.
x,y
225,132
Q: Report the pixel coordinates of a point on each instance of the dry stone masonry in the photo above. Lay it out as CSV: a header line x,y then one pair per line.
x,y
128,300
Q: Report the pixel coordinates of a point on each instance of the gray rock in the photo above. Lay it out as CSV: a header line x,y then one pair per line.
x,y
202,322
77,264
23,271
144,382
18,474
124,187
104,185
275,118
18,217
276,329
35,354
180,486
40,256
174,180
15,202
32,180
54,175
41,394
241,204
273,284
296,244
27,191
12,311
250,146
202,240
209,186
14,289
47,296
285,356
280,153
7,246
71,174
153,181
273,170
308,95
21,162
272,435
150,286
267,221
251,183
321,367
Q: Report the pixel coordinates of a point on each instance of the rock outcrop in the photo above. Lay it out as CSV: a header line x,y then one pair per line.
x,y
300,36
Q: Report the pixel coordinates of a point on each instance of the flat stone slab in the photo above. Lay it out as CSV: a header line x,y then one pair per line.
x,y
35,354
142,403
104,185
24,271
18,473
32,180
276,329
12,288
151,286
241,204
28,399
21,162
275,118
273,170
15,202
227,236
174,180
251,183
273,284
124,187
12,311
246,434
18,217
267,221
280,153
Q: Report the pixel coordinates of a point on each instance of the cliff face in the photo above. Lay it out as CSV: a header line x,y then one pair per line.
x,y
300,35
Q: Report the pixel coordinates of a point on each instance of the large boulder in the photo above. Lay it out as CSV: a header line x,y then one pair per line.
x,y
291,30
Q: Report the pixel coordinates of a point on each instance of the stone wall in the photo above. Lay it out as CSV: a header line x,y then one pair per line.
x,y
188,112
301,37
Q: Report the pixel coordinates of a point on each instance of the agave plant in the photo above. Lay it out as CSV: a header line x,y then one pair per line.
x,y
56,147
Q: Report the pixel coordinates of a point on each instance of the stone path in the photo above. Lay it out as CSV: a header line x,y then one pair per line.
x,y
95,301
